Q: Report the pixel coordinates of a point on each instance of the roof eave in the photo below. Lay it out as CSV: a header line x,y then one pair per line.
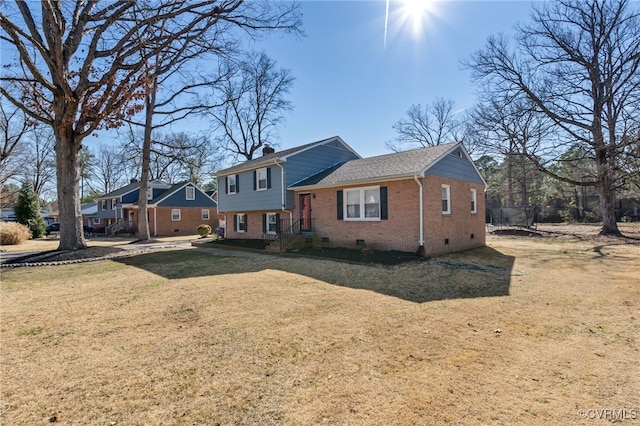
x,y
378,179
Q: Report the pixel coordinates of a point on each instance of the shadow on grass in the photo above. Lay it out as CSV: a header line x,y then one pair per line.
x,y
483,272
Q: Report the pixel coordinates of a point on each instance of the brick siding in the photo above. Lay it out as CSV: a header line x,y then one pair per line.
x,y
461,228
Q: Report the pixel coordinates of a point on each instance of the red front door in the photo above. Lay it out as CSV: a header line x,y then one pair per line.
x,y
304,201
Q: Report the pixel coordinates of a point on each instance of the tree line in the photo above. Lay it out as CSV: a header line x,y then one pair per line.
x,y
558,108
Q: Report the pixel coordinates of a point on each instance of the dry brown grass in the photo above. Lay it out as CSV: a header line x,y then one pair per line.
x,y
13,233
525,331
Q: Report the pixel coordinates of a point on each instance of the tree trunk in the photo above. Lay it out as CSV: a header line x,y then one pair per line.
x,y
607,197
68,176
608,210
143,218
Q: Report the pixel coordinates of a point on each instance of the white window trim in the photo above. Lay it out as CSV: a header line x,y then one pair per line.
x,y
362,217
103,204
207,214
149,193
235,185
474,198
263,169
193,193
114,203
267,219
238,222
448,189
173,219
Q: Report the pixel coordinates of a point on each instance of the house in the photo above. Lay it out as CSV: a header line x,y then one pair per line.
x,y
89,213
176,209
429,200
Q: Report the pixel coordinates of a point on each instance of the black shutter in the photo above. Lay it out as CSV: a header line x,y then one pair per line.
x,y
246,222
277,223
235,222
237,183
268,177
264,223
226,187
384,209
339,206
255,176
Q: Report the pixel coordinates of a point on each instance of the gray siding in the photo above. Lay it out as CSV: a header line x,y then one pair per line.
x,y
248,199
307,163
179,199
452,166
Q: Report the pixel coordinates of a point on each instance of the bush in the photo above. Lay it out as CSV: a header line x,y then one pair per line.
x,y
204,230
12,233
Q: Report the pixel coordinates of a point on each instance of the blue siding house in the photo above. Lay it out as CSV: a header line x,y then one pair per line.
x,y
428,200
172,209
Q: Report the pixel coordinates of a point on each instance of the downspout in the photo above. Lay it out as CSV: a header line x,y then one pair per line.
x,y
283,192
420,250
155,221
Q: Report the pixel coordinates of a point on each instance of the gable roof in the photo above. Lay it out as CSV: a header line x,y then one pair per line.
x,y
132,187
172,190
398,165
280,156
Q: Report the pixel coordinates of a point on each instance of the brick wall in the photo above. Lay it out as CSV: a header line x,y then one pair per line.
x,y
401,230
190,219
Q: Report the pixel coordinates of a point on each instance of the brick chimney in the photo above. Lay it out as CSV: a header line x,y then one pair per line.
x,y
133,180
268,149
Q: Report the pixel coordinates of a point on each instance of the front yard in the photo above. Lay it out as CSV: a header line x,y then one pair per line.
x,y
524,331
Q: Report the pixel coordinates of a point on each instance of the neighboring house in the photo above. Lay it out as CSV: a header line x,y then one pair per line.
x,y
171,209
90,214
429,200
8,215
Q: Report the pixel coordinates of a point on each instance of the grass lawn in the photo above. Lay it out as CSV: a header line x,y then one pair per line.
x,y
524,331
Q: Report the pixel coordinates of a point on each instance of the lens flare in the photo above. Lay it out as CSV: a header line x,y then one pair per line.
x,y
407,14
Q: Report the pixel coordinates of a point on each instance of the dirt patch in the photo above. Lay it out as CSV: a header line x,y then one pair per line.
x,y
65,255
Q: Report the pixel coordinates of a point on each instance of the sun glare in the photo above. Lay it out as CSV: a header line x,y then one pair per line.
x,y
412,15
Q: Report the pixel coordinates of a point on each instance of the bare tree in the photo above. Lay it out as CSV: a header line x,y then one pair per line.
x,y
107,173
78,67
253,103
430,125
14,127
578,64
39,162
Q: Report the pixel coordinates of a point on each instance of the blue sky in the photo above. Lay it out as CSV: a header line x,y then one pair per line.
x,y
349,83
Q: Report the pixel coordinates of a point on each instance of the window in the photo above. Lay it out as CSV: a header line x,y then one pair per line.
x,y
149,193
362,203
271,223
232,184
96,221
474,199
191,193
446,199
261,179
175,215
241,222
103,205
113,203
205,214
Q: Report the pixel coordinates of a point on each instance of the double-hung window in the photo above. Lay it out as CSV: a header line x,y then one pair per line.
x,y
474,201
114,202
175,215
232,184
446,199
362,203
205,214
241,222
190,193
261,179
271,223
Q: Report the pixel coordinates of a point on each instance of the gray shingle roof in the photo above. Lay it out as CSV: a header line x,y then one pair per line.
x,y
382,167
270,158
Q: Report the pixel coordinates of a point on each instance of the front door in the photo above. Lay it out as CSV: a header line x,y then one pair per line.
x,y
304,201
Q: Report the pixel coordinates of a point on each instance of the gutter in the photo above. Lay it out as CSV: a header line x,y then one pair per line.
x,y
283,191
421,219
